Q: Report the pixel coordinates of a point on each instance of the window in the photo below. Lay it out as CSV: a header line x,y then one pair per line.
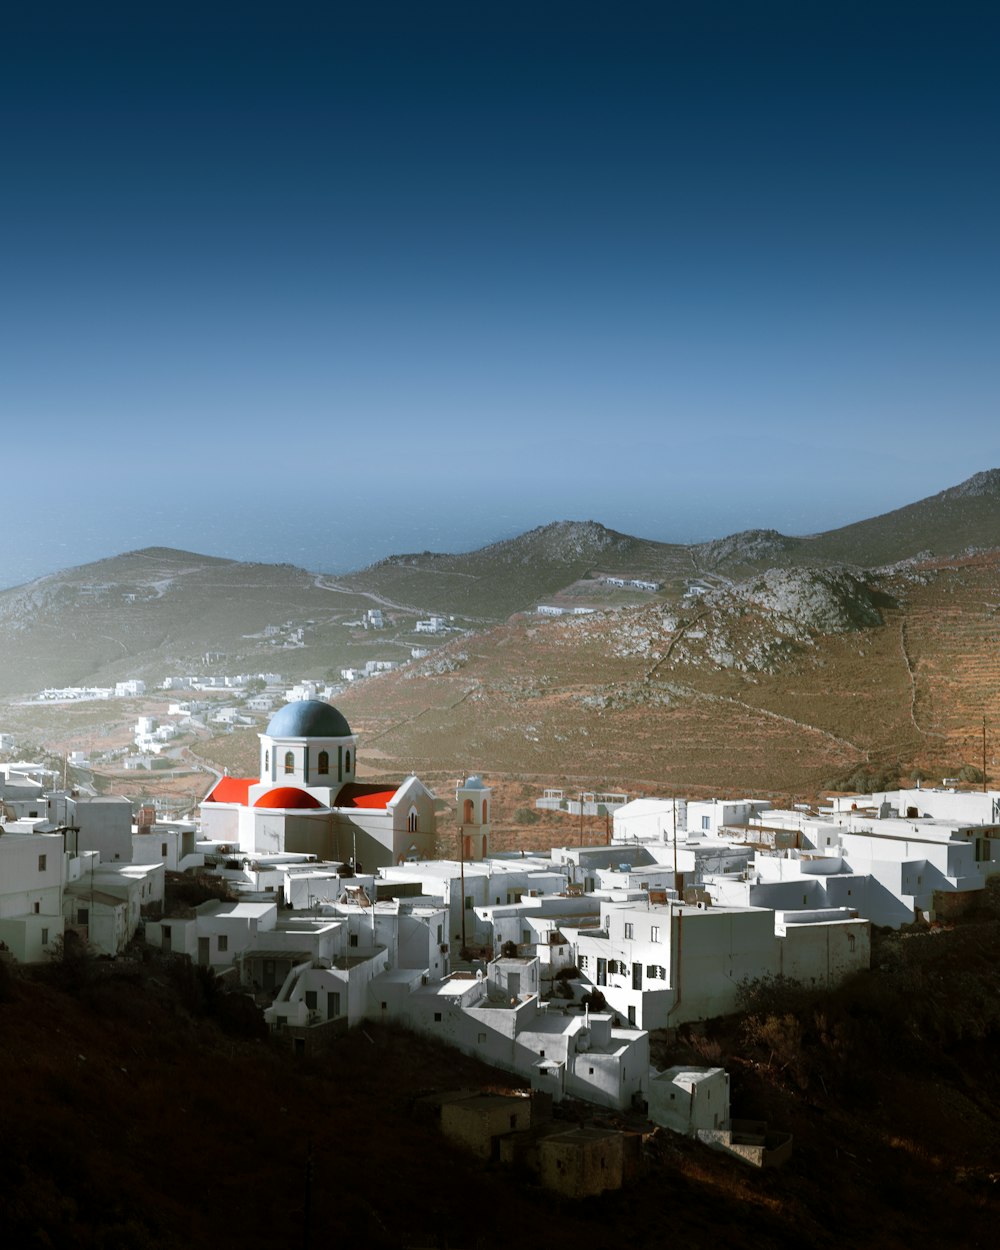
x,y
582,962
541,1054
481,1037
267,760
628,930
850,941
323,763
484,811
631,1020
289,762
310,997
163,849
468,902
437,1017
654,933
440,936
590,1071
411,823
467,816
706,822
38,908
45,937
223,942
352,940
83,915
513,1121
41,863
347,761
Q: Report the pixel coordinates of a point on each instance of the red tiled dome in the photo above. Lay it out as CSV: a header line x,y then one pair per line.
x,y
287,796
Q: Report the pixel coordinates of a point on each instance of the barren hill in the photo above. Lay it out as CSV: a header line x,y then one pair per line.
x,y
788,682
512,575
797,662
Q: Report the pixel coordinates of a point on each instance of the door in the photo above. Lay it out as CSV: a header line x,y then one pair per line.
x,y
203,952
602,971
637,976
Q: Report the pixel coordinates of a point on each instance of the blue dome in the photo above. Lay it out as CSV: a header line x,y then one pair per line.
x,y
309,718
475,782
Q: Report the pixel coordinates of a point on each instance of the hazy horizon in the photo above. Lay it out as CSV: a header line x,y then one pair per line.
x,y
371,279
375,543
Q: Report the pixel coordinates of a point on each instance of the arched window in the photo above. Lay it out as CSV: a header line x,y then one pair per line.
x,y
411,823
467,816
289,762
347,761
323,762
484,811
484,846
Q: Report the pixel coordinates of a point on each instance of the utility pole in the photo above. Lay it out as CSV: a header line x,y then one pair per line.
x,y
581,819
673,804
984,753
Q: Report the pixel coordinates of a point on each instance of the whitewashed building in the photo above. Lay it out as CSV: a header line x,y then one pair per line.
x,y
32,875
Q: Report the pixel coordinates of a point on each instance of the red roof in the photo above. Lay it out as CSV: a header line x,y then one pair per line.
x,y
356,795
232,790
287,796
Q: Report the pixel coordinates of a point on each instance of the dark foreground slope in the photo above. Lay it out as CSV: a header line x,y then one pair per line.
x,y
141,1111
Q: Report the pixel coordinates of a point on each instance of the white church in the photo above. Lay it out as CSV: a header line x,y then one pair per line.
x,y
307,800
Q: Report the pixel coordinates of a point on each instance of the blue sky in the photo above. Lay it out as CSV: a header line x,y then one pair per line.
x,y
319,282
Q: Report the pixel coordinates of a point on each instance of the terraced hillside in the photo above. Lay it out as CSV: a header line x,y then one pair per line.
x,y
951,639
747,691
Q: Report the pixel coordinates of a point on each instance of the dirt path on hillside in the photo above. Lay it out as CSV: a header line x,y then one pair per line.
x,y
911,673
322,583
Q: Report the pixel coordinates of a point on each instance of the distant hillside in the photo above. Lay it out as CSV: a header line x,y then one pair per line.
x,y
157,612
949,523
514,575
